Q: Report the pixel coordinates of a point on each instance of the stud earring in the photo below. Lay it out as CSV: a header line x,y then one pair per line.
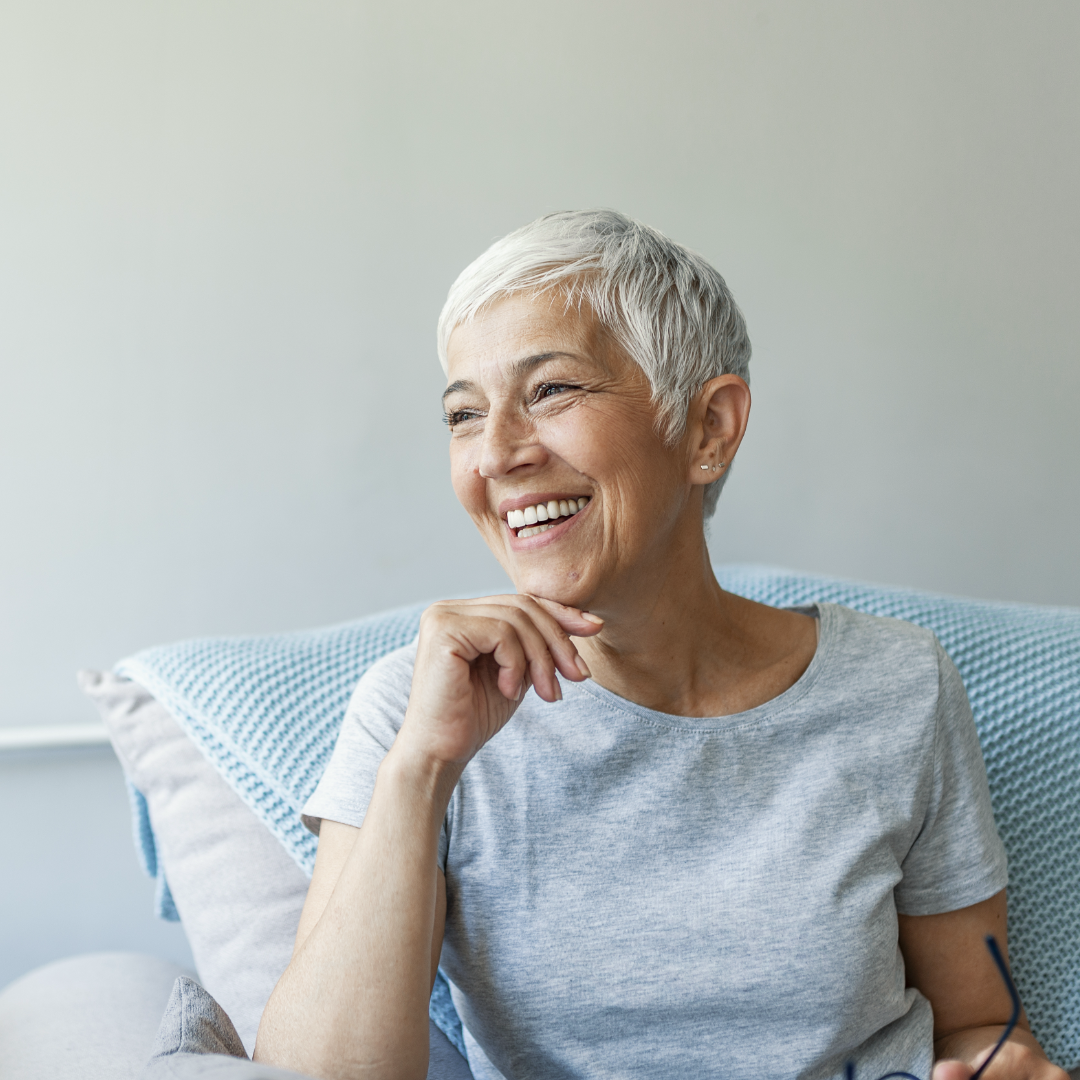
x,y
704,468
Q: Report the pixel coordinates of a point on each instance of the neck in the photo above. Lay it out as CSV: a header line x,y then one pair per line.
x,y
669,632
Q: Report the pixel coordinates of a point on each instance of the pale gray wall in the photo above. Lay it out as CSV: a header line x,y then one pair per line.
x,y
69,881
226,229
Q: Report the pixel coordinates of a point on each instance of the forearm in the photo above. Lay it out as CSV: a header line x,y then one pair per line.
x,y
353,1001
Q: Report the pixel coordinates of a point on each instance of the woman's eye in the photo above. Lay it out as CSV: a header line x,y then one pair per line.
x,y
458,416
546,390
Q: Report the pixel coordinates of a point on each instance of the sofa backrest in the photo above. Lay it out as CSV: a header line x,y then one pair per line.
x,y
266,710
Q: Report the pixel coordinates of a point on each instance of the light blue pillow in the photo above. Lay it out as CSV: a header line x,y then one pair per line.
x,y
266,711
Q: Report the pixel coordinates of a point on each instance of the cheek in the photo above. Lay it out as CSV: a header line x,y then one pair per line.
x,y
467,482
584,437
613,446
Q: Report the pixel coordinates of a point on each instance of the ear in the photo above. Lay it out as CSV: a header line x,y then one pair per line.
x,y
715,427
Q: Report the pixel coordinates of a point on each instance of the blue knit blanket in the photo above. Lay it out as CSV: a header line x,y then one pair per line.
x,y
266,711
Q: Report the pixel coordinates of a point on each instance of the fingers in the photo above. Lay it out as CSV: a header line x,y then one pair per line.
x,y
529,639
513,678
555,623
573,621
952,1070
543,644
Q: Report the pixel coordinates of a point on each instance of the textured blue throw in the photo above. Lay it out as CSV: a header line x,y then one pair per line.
x,y
266,711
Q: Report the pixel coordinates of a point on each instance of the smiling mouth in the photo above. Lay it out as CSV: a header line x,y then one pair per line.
x,y
531,520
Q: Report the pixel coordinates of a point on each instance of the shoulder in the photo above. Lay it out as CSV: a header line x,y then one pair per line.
x,y
877,636
382,694
368,729
882,656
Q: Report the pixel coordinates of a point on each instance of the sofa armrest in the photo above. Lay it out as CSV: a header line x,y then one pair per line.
x,y
85,1018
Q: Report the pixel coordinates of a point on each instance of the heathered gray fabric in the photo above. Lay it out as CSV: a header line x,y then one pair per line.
x,y
634,894
84,1018
196,1039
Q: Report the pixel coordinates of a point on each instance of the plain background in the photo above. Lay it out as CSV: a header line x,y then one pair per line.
x,y
227,228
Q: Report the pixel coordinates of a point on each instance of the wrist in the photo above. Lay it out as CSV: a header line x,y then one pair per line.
x,y
971,1045
422,776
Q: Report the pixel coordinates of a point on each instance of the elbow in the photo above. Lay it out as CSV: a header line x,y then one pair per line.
x,y
326,1048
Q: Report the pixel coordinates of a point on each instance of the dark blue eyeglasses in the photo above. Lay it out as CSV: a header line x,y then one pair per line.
x,y
995,952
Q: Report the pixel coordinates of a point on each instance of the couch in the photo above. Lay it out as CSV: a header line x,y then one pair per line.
x,y
220,739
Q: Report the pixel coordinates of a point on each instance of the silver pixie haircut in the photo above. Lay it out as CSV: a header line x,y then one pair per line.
x,y
666,306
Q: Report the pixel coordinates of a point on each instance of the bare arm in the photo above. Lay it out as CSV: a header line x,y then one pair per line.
x,y
947,961
354,997
353,1003
336,842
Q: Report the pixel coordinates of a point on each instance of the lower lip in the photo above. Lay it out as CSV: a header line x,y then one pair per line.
x,y
548,536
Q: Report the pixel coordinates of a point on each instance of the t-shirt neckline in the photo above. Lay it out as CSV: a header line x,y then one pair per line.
x,y
767,711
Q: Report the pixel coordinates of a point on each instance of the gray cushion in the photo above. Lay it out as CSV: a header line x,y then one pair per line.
x,y
213,1066
86,1018
238,892
197,1039
194,1023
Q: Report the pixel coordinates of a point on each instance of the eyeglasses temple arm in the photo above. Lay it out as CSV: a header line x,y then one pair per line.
x,y
995,952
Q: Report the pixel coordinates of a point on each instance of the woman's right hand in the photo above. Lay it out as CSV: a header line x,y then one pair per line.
x,y
474,662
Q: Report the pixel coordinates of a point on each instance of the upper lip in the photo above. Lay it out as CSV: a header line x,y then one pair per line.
x,y
521,501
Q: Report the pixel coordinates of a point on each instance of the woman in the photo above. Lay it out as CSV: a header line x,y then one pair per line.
x,y
717,838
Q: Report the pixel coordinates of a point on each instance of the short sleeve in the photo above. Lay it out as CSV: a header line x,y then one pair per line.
x,y
957,858
372,721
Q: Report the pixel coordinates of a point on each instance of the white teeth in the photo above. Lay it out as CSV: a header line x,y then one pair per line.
x,y
552,510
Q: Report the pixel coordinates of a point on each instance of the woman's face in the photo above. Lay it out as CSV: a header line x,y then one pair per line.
x,y
545,408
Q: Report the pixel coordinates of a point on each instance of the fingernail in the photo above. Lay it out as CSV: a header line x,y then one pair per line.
x,y
582,666
521,691
558,691
588,616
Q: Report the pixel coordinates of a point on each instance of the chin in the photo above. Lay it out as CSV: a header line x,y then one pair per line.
x,y
564,587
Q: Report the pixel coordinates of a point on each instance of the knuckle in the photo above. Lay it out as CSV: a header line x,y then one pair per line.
x,y
435,616
545,662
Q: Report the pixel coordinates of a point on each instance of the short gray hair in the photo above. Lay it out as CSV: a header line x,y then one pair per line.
x,y
665,305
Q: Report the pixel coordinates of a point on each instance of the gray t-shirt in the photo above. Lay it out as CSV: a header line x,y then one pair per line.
x,y
635,894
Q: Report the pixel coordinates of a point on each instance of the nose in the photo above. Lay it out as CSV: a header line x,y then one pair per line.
x,y
509,443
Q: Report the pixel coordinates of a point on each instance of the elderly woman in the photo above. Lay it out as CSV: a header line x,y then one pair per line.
x,y
647,827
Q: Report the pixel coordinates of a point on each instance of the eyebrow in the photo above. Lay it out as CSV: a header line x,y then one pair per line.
x,y
517,369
